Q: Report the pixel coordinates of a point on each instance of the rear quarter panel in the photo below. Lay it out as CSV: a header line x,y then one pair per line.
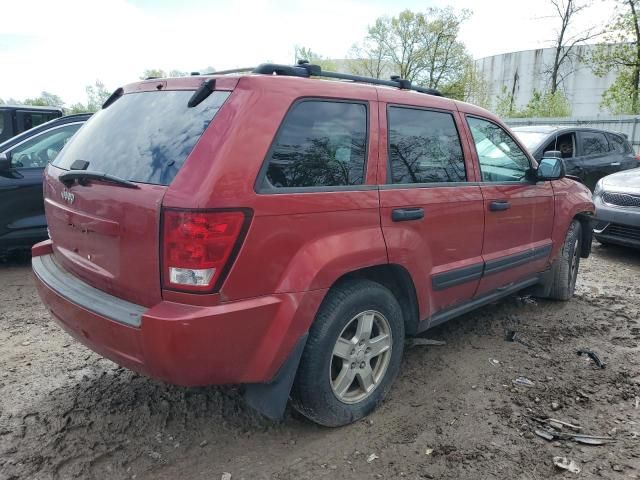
x,y
296,242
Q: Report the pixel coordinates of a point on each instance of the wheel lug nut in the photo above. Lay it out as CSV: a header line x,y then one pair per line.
x,y
362,365
353,365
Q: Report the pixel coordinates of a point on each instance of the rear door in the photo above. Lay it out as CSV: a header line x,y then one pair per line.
x,y
108,234
431,210
596,158
518,212
624,155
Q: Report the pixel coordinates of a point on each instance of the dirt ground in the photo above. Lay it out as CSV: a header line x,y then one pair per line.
x,y
453,413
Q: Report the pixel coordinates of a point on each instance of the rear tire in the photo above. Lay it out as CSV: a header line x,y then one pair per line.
x,y
567,264
352,356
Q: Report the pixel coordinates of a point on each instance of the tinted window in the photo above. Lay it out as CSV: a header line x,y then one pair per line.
x,y
424,147
320,144
501,159
42,149
143,137
594,143
618,144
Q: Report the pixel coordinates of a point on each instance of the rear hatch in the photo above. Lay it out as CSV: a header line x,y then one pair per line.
x,y
107,232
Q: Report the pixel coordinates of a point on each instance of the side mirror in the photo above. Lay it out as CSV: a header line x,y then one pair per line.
x,y
552,154
550,168
5,162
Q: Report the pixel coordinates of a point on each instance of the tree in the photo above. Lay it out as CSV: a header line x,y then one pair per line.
x,y
472,87
621,54
566,41
97,94
367,58
421,47
153,73
305,53
542,104
46,99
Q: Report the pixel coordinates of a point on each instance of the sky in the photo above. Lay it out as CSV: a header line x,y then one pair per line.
x,y
62,46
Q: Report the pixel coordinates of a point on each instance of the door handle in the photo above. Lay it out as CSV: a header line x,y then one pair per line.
x,y
406,214
499,205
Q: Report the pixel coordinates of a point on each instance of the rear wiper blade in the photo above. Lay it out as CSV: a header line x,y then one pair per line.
x,y
71,176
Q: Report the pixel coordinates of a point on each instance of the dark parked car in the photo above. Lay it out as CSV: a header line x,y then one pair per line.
x,y
15,119
22,161
589,154
286,233
617,200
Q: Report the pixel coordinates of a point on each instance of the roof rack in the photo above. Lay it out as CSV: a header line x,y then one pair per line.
x,y
306,70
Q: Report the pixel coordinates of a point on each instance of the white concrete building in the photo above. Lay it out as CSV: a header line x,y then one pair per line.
x,y
526,71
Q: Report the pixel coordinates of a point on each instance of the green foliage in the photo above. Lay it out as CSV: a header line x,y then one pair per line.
x,y
542,104
97,94
421,47
621,54
305,53
46,99
504,103
471,87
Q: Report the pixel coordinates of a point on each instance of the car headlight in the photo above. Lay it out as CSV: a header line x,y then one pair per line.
x,y
598,189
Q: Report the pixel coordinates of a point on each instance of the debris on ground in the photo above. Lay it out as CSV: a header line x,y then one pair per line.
x,y
372,457
523,381
494,362
225,476
417,341
565,464
594,356
513,336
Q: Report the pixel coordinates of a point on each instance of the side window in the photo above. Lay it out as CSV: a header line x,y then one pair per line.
x,y
565,144
501,159
618,144
594,143
42,149
424,147
320,144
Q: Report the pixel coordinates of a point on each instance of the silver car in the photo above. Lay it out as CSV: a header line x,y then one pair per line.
x,y
617,200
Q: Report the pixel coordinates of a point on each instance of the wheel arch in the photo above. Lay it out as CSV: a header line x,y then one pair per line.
x,y
398,280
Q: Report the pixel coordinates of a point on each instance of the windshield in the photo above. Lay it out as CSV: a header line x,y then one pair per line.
x,y
531,140
142,137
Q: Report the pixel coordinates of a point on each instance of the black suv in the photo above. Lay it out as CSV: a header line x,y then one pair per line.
x,y
588,153
22,161
15,119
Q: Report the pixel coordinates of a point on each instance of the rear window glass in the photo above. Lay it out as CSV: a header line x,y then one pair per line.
x,y
320,144
618,144
143,137
424,147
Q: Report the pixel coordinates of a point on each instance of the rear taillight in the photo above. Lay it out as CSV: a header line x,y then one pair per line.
x,y
198,247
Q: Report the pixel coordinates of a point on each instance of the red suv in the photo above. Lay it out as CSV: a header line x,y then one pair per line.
x,y
287,233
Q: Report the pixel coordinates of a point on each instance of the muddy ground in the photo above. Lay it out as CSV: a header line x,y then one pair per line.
x,y
453,413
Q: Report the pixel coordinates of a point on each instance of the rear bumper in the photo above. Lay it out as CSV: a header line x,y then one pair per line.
x,y
620,225
237,342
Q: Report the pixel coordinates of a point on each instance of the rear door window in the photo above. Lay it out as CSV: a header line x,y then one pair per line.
x,y
594,143
143,137
424,147
320,144
38,151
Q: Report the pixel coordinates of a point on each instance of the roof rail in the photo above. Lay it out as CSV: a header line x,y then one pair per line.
x,y
305,69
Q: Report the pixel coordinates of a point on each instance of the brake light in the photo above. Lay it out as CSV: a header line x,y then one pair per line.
x,y
198,246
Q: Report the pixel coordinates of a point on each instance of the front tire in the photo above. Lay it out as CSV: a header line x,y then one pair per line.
x,y
352,356
567,264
